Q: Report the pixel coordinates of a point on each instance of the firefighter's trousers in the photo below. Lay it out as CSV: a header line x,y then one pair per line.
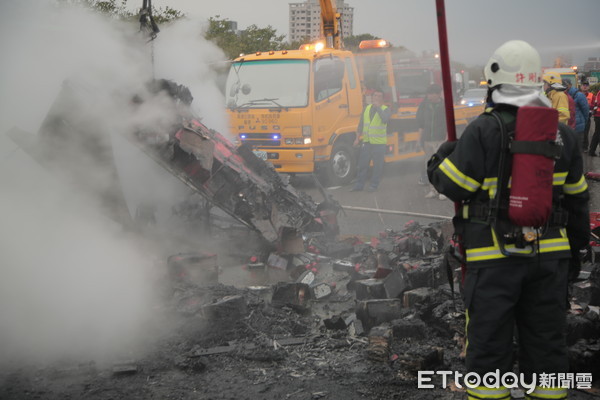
x,y
528,293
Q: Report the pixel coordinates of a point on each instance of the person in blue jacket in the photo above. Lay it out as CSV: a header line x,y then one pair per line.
x,y
582,109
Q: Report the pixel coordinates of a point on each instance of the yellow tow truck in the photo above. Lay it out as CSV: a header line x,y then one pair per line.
x,y
299,109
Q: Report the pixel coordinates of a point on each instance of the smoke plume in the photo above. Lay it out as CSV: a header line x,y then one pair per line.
x,y
74,282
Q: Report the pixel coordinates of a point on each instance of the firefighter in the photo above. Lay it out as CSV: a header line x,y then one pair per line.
x,y
502,287
555,91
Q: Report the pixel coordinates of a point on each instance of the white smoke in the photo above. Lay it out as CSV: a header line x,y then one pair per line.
x,y
74,283
182,54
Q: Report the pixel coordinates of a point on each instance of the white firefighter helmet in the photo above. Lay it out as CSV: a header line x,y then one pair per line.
x,y
515,63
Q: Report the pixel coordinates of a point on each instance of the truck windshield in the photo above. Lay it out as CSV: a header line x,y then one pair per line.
x,y
269,83
412,82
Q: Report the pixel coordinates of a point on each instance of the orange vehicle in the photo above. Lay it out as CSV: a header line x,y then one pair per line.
x,y
299,109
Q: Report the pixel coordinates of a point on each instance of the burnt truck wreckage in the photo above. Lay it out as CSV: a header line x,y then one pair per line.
x,y
232,179
347,318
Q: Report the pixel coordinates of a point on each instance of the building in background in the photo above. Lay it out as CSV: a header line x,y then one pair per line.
x,y
592,64
305,20
233,26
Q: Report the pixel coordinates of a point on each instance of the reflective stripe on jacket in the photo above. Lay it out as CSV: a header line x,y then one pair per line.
x,y
374,130
470,175
483,392
548,392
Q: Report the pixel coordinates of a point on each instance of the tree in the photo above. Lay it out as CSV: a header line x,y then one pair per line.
x,y
250,40
255,39
220,32
167,14
118,9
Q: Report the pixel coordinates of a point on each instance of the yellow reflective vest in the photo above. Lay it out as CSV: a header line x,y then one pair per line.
x,y
374,130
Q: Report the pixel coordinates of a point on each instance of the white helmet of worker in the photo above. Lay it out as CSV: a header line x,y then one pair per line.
x,y
516,63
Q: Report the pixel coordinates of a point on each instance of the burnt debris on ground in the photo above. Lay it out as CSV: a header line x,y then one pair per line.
x,y
353,323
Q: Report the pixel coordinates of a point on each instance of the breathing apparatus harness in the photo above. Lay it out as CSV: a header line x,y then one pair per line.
x,y
496,212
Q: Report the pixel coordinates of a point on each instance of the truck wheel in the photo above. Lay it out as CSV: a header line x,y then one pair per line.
x,y
341,167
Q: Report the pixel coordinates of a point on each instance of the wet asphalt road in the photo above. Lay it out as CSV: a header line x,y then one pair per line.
x,y
399,191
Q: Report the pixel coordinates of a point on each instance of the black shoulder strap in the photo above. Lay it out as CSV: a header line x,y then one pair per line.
x,y
500,201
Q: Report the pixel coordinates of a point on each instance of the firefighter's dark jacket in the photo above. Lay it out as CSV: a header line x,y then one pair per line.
x,y
469,175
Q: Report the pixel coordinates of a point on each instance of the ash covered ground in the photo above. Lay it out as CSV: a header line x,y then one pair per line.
x,y
267,332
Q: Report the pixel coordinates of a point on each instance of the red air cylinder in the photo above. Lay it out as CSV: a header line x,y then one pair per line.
x,y
530,201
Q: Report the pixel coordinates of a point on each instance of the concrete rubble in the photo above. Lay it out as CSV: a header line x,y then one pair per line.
x,y
383,291
390,297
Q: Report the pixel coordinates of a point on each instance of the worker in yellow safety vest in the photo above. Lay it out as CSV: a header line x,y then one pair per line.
x,y
372,139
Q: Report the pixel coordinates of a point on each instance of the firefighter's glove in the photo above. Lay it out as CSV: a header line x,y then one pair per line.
x,y
574,267
445,149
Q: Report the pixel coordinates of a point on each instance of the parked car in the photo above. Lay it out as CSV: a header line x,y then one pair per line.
x,y
473,97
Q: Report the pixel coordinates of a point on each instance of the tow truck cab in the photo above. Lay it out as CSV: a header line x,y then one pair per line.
x,y
292,106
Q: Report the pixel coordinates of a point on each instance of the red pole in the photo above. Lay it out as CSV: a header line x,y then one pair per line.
x,y
448,101
446,77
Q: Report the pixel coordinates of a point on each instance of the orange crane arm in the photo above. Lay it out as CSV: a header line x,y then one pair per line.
x,y
330,24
